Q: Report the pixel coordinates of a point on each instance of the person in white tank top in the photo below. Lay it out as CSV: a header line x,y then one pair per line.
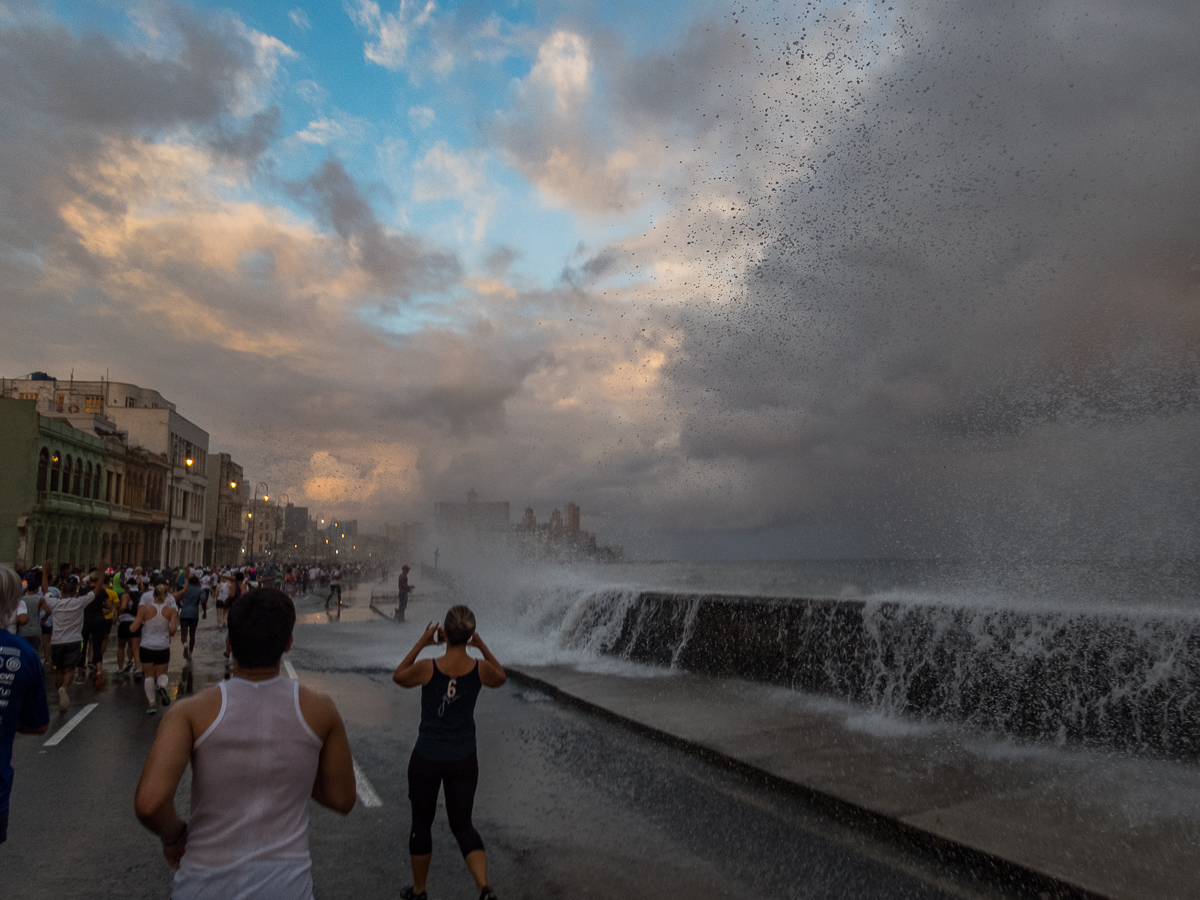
x,y
260,745
155,625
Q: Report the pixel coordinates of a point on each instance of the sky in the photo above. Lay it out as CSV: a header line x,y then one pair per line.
x,y
750,280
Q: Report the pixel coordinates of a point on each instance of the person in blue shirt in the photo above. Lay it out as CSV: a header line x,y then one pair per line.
x,y
188,598
23,705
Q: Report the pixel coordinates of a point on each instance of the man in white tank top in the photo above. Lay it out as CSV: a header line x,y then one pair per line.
x,y
260,746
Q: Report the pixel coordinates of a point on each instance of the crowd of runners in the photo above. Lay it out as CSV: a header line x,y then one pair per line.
x,y
70,616
260,745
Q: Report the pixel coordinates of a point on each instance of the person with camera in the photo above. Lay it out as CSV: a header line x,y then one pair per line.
x,y
445,752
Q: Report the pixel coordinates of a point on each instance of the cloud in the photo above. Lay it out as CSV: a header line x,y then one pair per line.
x,y
325,131
300,19
443,174
393,32
564,67
421,116
399,265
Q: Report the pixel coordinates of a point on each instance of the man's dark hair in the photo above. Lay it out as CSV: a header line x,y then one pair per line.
x,y
194,581
260,623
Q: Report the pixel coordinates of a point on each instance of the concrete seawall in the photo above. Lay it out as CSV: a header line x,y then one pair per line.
x,y
1118,681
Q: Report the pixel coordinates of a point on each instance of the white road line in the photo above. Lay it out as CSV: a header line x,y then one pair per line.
x,y
366,793
70,726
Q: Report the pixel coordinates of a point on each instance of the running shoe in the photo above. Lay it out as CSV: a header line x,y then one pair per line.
x,y
64,699
488,894
138,674
151,709
99,680
186,653
410,894
164,696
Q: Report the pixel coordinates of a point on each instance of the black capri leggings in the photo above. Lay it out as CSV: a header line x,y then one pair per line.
x,y
425,776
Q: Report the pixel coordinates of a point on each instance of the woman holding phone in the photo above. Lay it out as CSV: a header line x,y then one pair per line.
x,y
445,749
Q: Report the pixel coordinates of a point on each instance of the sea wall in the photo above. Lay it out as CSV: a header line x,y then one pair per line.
x,y
1124,682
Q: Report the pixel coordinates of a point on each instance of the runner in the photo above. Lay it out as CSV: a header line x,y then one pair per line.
x,y
289,582
223,589
335,584
127,642
95,626
14,621
66,606
156,623
445,749
189,614
260,745
23,705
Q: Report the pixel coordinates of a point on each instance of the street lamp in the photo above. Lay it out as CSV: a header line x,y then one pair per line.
x,y
166,554
261,486
277,529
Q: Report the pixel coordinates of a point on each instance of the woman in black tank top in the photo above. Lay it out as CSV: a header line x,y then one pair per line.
x,y
445,749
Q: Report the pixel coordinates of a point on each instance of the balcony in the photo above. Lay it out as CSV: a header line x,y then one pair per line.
x,y
69,504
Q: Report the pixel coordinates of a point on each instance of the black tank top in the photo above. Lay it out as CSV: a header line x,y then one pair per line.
x,y
447,731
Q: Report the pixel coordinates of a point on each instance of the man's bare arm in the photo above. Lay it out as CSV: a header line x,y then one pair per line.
x,y
334,785
154,802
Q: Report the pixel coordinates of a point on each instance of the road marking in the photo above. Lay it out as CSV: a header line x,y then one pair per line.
x,y
70,726
366,793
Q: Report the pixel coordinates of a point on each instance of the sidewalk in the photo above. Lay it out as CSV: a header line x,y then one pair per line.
x,y
1110,826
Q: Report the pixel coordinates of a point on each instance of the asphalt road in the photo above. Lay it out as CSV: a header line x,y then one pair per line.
x,y
568,805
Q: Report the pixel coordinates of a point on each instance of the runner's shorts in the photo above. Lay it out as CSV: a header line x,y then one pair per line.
x,y
189,621
66,656
123,632
154,657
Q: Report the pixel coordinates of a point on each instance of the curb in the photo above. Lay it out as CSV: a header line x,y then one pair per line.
x,y
985,867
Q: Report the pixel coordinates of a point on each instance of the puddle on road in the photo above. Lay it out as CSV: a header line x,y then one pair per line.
x,y
333,616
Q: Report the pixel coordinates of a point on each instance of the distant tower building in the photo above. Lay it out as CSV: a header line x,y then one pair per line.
x,y
529,521
556,522
573,520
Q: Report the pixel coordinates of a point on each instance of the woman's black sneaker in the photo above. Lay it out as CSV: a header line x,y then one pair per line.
x,y
410,894
488,894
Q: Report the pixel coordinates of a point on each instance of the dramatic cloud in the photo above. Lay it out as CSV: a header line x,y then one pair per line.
x,y
850,280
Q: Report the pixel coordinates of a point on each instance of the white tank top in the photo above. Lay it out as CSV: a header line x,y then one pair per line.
x,y
156,632
252,776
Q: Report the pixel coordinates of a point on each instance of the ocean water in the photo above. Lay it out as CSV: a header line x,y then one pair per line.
x,y
1100,653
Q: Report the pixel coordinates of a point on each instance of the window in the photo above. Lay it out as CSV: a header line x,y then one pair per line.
x,y
93,403
61,402
108,483
131,401
117,495
78,484
26,395
43,469
55,471
87,480
96,484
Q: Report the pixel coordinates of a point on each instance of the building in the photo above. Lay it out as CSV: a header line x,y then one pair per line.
x,y
472,519
147,421
561,538
264,529
224,524
75,497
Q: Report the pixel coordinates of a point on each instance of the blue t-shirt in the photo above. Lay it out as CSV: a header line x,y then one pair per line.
x,y
22,701
189,603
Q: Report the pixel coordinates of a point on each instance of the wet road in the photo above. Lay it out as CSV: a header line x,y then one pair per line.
x,y
568,805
